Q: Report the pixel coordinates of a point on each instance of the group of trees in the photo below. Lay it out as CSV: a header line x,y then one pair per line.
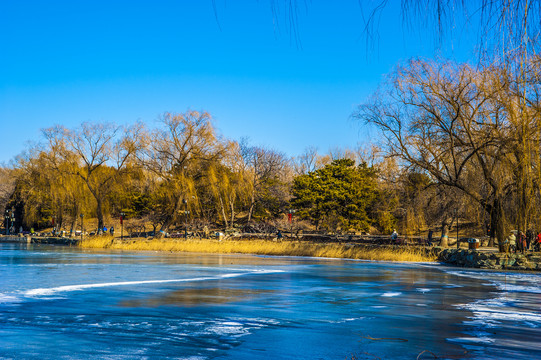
x,y
461,141
474,132
184,170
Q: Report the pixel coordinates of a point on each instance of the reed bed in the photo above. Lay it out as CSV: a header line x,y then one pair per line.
x,y
265,247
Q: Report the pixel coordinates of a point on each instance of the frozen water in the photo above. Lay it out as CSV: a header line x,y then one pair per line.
x,y
67,303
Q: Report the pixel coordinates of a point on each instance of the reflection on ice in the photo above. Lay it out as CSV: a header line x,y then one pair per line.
x,y
196,297
68,288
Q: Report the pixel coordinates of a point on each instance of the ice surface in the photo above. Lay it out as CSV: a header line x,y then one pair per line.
x,y
68,288
9,299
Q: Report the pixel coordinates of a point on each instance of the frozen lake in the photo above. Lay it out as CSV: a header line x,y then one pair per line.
x,y
68,303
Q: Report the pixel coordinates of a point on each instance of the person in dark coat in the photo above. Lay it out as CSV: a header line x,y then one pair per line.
x,y
529,238
429,242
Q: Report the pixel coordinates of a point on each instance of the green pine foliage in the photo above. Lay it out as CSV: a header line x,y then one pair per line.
x,y
337,196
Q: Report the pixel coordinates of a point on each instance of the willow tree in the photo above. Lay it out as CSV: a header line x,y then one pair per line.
x,y
175,154
95,153
500,26
454,122
230,184
47,192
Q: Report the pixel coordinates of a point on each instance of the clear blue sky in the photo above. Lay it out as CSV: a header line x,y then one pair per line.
x,y
65,62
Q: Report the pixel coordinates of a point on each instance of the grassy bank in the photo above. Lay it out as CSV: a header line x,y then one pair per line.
x,y
264,247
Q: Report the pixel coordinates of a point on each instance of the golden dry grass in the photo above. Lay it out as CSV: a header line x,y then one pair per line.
x,y
264,247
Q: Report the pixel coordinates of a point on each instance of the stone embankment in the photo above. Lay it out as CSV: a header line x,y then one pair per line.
x,y
489,260
39,240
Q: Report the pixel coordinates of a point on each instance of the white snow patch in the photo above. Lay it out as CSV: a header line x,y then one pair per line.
x,y
69,288
9,299
478,340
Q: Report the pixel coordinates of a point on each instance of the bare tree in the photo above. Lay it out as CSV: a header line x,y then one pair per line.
x,y
307,162
176,154
265,167
453,122
7,185
96,153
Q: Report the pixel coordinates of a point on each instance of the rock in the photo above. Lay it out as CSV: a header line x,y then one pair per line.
x,y
482,256
476,259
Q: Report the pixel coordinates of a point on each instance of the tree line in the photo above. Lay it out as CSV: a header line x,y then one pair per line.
x,y
183,170
474,131
456,142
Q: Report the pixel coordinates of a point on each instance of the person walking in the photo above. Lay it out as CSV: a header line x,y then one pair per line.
x,y
521,242
511,243
529,239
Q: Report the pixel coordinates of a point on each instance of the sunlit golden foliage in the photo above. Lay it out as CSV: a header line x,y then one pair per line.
x,y
265,247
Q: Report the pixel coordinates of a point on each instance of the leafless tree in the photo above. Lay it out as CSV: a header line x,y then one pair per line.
x,y
455,123
96,153
176,154
265,167
7,185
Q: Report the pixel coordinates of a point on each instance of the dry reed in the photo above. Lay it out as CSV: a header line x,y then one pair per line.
x,y
265,247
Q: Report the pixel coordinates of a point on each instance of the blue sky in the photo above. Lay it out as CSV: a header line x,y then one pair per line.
x,y
65,62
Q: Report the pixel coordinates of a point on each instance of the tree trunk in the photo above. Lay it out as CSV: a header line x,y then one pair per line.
x,y
171,218
498,220
59,219
251,208
72,228
317,216
232,207
75,216
99,212
444,241
491,241
223,211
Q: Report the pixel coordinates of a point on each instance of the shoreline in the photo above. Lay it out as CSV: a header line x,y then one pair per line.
x,y
462,258
268,248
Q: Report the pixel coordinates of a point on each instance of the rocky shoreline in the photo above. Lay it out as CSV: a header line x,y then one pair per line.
x,y
489,260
